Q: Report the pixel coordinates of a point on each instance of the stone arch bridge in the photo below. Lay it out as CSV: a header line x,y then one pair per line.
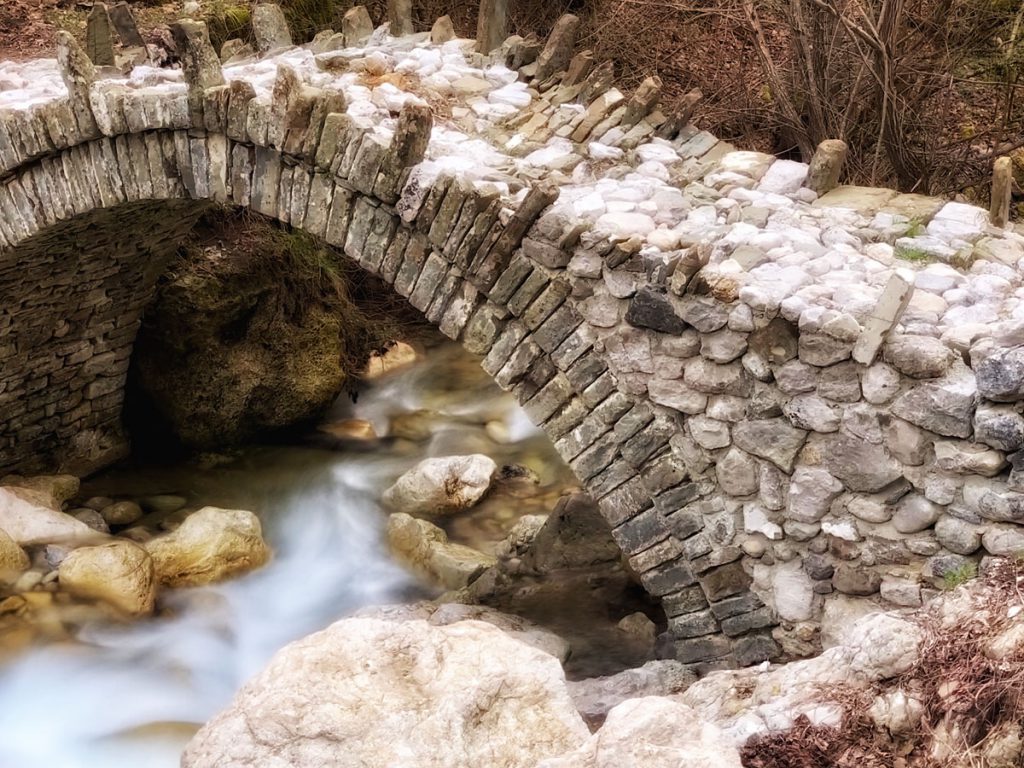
x,y
740,370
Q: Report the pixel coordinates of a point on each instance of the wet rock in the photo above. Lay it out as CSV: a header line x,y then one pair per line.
x,y
397,356
121,513
381,693
426,550
211,545
92,518
164,503
920,357
119,573
442,485
653,732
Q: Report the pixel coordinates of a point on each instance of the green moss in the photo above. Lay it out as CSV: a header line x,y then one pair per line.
x,y
227,20
960,576
914,255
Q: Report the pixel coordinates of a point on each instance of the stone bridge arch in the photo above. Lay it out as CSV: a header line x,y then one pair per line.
x,y
100,187
729,414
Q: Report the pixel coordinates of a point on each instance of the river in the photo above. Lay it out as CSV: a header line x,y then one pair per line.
x,y
116,695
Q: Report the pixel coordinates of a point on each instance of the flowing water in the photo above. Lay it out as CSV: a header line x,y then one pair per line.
x,y
132,695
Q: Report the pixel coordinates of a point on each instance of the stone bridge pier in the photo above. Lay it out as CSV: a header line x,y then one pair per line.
x,y
782,414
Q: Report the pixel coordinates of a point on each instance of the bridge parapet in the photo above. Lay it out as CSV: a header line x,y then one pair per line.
x,y
779,399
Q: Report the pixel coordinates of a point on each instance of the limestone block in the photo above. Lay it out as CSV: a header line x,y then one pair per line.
x,y
270,28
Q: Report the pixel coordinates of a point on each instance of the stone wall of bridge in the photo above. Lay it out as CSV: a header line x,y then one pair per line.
x,y
780,399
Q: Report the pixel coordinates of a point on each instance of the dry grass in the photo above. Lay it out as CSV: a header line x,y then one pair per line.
x,y
966,694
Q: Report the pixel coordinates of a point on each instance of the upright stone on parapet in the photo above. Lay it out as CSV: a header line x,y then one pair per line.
x,y
887,313
356,25
123,19
643,102
199,63
682,115
826,166
400,17
491,25
408,148
78,73
1002,191
537,199
580,67
442,31
99,36
270,28
558,52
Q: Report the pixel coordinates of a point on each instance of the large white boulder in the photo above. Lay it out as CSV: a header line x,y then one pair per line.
x,y
372,693
212,544
437,486
652,732
30,517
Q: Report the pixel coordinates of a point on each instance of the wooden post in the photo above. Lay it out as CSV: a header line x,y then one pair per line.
x,y
491,25
1002,189
827,166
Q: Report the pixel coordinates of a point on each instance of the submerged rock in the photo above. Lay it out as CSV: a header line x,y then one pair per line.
x,y
119,573
374,693
426,550
437,486
211,545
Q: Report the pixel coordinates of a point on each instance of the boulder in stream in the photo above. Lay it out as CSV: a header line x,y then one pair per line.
x,y
211,545
13,560
375,693
442,485
119,573
426,550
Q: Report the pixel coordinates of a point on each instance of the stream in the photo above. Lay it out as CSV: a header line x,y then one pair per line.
x,y
115,695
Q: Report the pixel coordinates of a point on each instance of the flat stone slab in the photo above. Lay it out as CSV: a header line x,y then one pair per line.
x,y
866,200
